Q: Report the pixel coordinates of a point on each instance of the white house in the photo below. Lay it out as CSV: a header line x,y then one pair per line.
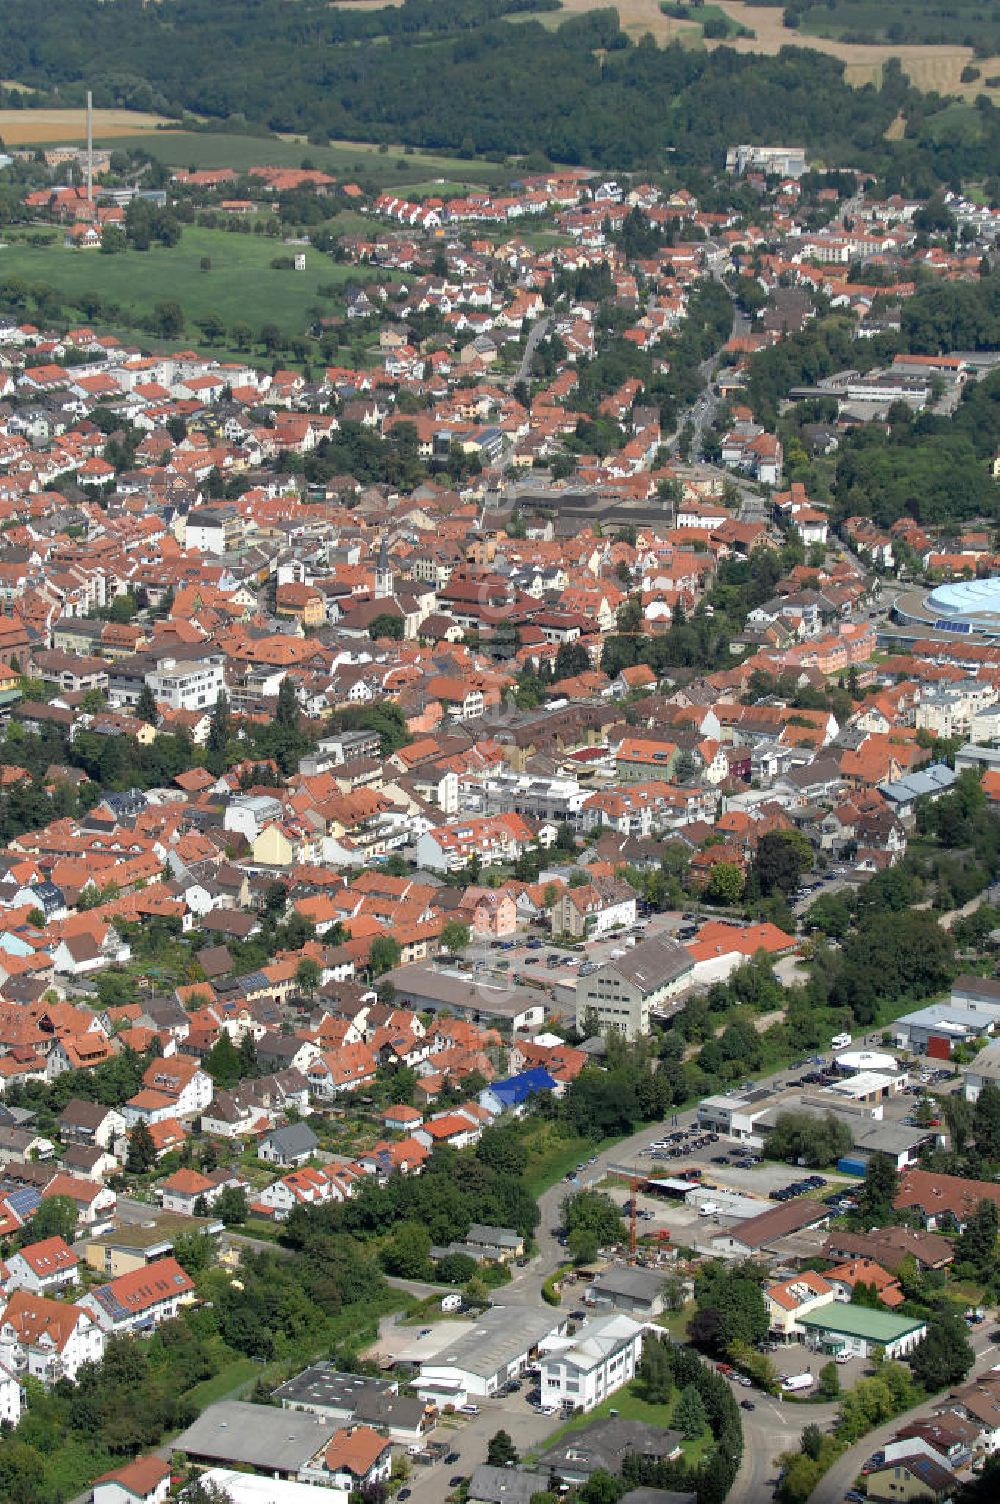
x,y
42,1268
304,1187
182,1078
192,685
11,1397
799,1296
146,1480
585,1369
357,1458
47,1339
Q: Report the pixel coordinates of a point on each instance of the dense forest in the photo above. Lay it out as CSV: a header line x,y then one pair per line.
x,y
582,92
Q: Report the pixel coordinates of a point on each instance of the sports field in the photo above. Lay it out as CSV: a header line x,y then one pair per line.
x,y
42,127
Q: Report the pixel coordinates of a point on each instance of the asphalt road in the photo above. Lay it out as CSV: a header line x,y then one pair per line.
x,y
536,334
773,1427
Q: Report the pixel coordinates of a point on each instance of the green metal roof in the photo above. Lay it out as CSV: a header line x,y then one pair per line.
x,y
860,1321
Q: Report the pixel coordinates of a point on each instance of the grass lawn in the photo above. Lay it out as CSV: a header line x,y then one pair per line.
x,y
677,1322
344,159
241,284
551,1156
226,1383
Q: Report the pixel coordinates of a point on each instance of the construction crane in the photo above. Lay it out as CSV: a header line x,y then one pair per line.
x,y
635,1178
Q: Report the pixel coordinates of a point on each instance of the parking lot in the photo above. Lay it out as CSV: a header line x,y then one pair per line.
x,y
533,957
467,1439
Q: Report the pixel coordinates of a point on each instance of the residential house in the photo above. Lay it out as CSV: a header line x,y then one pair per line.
x,y
292,1145
792,1298
145,1480
139,1301
358,1459
43,1268
47,1339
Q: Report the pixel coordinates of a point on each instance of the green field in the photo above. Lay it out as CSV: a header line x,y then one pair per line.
x,y
241,284
552,1155
394,168
226,1384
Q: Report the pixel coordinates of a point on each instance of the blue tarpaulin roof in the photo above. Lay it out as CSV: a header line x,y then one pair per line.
x,y
517,1089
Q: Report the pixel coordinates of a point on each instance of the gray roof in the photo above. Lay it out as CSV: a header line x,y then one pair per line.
x,y
461,993
505,1485
890,1138
605,1444
495,1237
657,1496
933,780
653,964
324,1386
294,1138
500,1335
637,1284
986,1064
278,1441
389,1411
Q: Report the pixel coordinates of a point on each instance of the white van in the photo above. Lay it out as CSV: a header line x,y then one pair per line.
x,y
708,1209
797,1381
840,1041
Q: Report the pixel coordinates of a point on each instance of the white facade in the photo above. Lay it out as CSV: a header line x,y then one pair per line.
x,y
42,1276
597,1362
10,1398
194,685
48,1349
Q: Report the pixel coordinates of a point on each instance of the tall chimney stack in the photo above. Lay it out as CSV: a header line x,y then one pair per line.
x,y
90,147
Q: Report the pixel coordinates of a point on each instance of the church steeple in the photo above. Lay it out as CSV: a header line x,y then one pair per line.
x,y
383,572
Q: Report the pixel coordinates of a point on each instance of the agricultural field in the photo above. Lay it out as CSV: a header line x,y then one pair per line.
x,y
395,168
51,127
241,284
930,66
